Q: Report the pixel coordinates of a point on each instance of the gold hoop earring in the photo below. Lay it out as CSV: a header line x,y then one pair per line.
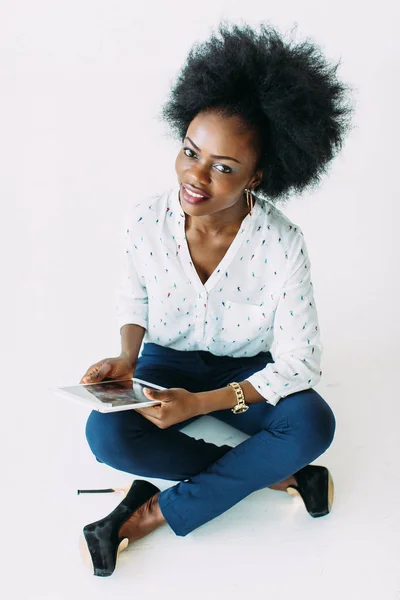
x,y
249,200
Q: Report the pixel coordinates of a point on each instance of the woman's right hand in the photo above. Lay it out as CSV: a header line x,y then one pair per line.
x,y
119,367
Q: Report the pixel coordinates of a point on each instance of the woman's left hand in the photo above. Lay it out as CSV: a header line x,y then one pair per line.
x,y
177,405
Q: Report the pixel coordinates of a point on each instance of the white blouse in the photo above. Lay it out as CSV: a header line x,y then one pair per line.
x,y
259,295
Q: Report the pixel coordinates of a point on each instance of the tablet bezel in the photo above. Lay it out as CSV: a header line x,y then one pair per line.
x,y
97,405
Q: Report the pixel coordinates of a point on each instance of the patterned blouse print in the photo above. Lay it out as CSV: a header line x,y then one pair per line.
x,y
259,298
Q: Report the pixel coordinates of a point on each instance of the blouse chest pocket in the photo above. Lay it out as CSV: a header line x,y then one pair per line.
x,y
242,321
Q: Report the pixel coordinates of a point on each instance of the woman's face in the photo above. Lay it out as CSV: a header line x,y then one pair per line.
x,y
201,169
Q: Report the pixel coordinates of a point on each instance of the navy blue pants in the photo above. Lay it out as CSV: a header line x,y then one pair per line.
x,y
283,438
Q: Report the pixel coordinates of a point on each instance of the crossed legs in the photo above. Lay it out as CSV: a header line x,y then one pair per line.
x,y
213,478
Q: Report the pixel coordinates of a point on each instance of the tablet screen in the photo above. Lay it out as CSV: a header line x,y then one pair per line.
x,y
113,393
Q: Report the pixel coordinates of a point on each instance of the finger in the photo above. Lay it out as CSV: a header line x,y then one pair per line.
x,y
87,374
89,377
149,416
162,395
98,373
150,411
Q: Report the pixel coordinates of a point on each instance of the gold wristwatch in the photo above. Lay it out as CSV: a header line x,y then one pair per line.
x,y
241,406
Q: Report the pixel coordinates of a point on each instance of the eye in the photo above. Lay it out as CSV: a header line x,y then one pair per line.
x,y
190,150
227,169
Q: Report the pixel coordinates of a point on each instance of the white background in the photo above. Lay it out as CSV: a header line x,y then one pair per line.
x,y
81,83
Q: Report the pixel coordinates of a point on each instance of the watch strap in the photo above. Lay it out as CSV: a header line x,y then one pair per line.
x,y
240,405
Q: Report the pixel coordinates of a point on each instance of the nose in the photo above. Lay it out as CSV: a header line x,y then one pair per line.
x,y
198,175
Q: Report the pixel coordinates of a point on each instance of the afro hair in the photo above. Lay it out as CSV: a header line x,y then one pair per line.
x,y
286,93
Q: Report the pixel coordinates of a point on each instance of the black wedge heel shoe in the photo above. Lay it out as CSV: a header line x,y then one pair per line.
x,y
100,543
315,486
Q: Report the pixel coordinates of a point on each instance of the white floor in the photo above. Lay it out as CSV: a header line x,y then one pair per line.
x,y
267,545
80,145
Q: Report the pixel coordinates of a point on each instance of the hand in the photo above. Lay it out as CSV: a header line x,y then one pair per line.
x,y
177,405
119,367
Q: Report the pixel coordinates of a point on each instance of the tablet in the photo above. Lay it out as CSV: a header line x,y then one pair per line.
x,y
111,395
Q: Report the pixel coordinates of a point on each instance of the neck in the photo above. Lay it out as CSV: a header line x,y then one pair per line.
x,y
223,223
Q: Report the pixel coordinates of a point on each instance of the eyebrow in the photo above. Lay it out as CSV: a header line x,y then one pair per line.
x,y
212,155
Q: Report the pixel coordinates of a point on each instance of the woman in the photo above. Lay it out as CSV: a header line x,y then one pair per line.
x,y
214,275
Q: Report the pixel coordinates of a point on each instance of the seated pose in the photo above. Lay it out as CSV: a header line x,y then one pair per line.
x,y
215,274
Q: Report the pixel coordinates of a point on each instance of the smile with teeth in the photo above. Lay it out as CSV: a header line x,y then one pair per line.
x,y
193,194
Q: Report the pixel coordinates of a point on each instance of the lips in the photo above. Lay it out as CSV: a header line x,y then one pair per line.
x,y
194,200
203,195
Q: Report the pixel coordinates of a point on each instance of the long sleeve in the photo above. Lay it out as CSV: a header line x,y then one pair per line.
x,y
298,348
131,296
